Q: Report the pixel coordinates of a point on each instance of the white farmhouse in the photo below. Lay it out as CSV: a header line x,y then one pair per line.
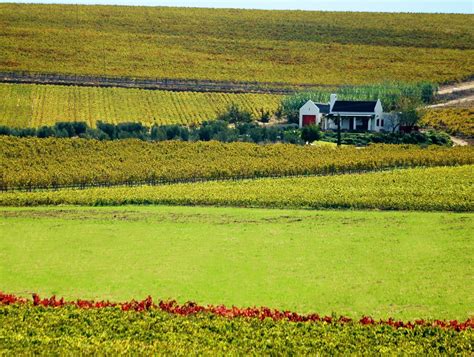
x,y
354,115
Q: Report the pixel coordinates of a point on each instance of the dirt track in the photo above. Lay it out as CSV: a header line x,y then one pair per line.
x,y
154,83
458,87
467,101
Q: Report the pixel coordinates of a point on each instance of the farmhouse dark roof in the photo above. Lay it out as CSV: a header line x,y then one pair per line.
x,y
323,108
354,106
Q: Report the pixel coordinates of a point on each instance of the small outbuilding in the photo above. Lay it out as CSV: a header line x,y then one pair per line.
x,y
312,113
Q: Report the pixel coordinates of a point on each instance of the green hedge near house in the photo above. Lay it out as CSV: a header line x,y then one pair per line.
x,y
220,130
431,137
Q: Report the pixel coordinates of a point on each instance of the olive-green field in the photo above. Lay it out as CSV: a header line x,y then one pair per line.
x,y
236,45
400,264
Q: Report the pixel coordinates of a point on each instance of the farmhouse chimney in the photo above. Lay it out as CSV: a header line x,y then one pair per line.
x,y
332,100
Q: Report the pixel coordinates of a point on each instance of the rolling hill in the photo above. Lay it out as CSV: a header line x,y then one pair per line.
x,y
295,47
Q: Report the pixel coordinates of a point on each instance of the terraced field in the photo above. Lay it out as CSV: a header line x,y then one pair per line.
x,y
236,45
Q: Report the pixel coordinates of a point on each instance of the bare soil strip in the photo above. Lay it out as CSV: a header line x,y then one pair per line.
x,y
464,101
458,87
177,85
446,92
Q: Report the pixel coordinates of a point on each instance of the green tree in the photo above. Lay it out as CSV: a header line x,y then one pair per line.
x,y
235,115
292,136
409,113
310,133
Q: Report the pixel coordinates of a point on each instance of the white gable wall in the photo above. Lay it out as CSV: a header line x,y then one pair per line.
x,y
332,101
378,118
378,108
310,108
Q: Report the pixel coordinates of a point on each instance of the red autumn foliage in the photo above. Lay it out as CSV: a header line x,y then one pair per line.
x,y
191,308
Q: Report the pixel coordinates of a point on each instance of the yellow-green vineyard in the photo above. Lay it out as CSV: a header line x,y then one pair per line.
x,y
28,105
34,162
236,45
453,120
422,189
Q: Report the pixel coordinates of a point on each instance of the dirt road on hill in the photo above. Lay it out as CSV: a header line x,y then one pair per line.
x,y
458,87
466,102
455,95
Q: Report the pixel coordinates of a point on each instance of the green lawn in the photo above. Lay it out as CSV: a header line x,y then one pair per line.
x,y
401,264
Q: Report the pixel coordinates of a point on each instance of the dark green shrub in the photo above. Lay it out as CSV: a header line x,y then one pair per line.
x,y
310,133
235,115
264,116
109,129
5,130
292,136
158,133
45,132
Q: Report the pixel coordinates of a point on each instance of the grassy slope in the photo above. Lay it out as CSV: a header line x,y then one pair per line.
x,y
401,264
26,105
279,46
430,189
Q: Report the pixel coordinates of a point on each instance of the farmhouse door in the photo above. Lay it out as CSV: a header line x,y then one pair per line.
x,y
309,120
351,124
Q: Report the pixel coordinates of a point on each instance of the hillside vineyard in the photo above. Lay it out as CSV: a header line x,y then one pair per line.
x,y
27,105
456,121
280,182
421,189
236,45
33,162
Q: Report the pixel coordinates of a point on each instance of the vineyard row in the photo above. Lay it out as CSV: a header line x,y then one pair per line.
x,y
261,313
28,105
168,84
421,189
40,328
52,162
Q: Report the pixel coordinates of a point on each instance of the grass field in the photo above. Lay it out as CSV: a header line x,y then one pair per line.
x,y
400,264
279,46
27,105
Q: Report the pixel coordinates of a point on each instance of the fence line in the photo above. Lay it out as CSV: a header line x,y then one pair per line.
x,y
156,83
164,181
